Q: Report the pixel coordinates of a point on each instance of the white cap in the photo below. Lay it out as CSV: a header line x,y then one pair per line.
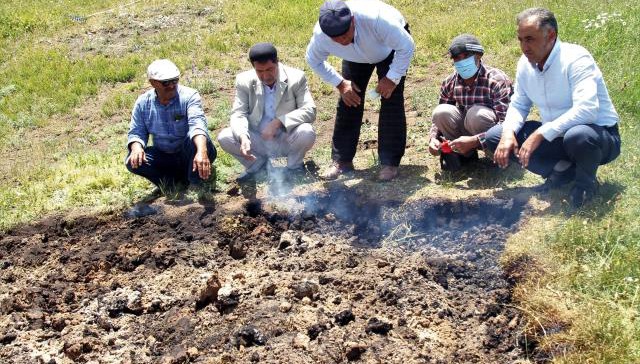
x,y
162,70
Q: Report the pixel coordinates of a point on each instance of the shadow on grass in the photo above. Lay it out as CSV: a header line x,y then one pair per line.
x,y
482,174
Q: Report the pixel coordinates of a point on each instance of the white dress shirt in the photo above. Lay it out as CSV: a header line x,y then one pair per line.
x,y
569,91
379,29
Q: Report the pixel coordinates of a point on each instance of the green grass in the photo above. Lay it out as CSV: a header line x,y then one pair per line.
x,y
68,85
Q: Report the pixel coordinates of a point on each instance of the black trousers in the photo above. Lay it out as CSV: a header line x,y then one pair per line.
x,y
392,123
586,146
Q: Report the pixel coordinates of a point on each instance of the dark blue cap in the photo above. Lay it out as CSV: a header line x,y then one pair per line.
x,y
335,18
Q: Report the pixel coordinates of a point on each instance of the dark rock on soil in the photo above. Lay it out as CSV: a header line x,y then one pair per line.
x,y
344,317
378,327
248,336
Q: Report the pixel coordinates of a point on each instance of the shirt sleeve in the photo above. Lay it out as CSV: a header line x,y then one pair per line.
x,y
584,95
520,104
501,91
239,111
195,116
316,57
397,38
137,128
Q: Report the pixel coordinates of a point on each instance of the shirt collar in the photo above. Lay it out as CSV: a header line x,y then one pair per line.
x,y
552,57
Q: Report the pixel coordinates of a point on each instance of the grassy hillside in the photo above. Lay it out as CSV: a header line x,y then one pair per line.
x,y
71,70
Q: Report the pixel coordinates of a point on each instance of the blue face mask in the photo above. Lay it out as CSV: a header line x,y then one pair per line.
x,y
467,67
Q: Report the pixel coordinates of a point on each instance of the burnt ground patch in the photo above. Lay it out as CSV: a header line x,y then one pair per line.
x,y
328,276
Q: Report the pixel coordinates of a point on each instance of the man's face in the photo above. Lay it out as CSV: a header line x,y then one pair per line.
x,y
165,89
536,43
267,72
346,38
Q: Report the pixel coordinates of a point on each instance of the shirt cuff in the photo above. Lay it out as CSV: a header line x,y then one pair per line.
x,y
135,139
548,132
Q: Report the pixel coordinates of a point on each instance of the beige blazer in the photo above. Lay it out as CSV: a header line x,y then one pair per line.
x,y
294,104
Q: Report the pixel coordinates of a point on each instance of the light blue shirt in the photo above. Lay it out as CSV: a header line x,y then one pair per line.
x,y
169,124
379,29
269,112
569,91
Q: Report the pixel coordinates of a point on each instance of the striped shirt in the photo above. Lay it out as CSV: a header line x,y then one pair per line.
x,y
492,88
169,124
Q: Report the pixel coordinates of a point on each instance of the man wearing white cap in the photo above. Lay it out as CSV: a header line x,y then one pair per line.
x,y
172,114
367,35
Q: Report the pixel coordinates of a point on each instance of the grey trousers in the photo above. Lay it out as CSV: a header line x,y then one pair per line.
x,y
293,145
454,123
586,146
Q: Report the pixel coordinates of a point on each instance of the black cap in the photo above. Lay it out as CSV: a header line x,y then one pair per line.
x,y
465,43
263,52
335,18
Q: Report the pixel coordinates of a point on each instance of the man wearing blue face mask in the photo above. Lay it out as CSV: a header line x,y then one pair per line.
x,y
474,98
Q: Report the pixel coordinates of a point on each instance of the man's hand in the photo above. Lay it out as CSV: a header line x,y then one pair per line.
x,y
385,87
528,147
201,161
434,146
271,129
245,148
137,155
349,93
508,144
464,144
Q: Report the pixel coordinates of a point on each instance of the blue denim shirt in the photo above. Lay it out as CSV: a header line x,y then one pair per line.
x,y
169,124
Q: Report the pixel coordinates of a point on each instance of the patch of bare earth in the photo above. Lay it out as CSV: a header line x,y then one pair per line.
x,y
324,278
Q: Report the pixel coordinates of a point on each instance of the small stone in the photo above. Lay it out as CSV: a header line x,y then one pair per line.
x,y
193,352
209,293
287,239
306,301
248,336
300,341
268,289
382,263
285,307
304,289
237,250
354,350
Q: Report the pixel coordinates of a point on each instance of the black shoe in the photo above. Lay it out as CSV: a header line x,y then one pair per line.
x,y
450,162
557,179
245,177
466,159
580,196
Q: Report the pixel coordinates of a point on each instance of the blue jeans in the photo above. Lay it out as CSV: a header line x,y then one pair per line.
x,y
170,169
586,146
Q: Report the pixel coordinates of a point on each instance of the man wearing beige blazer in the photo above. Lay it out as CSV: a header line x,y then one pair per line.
x,y
271,115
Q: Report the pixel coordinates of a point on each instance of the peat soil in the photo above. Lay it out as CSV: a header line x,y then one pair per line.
x,y
325,278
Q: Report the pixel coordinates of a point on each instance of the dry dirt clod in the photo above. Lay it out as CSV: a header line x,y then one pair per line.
x,y
209,294
285,307
248,336
304,289
268,289
378,327
237,250
354,350
287,239
343,318
300,341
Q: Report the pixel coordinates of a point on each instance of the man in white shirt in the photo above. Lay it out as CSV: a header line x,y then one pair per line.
x,y
271,115
578,130
367,35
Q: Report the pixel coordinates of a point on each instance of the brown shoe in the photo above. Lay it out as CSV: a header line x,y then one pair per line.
x,y
336,169
387,173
